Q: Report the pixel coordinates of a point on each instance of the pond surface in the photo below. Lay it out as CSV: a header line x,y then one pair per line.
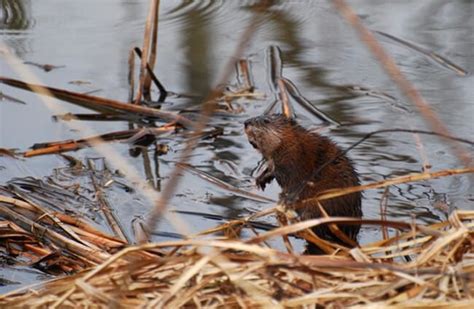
x,y
322,56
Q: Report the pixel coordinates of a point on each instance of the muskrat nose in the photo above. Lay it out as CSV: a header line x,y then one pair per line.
x,y
248,122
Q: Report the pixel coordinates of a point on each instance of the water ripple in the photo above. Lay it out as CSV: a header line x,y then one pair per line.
x,y
15,17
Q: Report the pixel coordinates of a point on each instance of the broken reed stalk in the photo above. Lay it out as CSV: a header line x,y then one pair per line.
x,y
49,218
154,43
152,16
147,168
10,98
397,76
283,221
224,185
104,206
306,104
29,210
446,63
383,210
82,251
100,104
335,229
159,150
207,110
244,76
286,106
131,75
282,88
308,224
90,117
72,145
151,74
72,226
328,194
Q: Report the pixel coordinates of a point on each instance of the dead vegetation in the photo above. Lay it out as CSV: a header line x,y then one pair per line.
x,y
417,266
428,267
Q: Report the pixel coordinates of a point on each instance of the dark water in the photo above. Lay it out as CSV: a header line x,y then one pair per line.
x,y
322,56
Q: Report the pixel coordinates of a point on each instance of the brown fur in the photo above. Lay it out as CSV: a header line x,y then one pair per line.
x,y
293,154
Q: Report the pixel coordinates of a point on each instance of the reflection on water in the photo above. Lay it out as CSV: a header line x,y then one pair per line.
x,y
322,56
197,42
15,19
15,15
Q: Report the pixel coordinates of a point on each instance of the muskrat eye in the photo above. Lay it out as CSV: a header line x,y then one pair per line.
x,y
266,120
253,144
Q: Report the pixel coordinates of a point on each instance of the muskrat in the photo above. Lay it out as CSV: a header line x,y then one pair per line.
x,y
295,158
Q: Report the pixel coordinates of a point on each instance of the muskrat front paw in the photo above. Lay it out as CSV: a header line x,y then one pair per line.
x,y
263,179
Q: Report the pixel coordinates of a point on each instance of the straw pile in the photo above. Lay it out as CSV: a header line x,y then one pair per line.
x,y
431,267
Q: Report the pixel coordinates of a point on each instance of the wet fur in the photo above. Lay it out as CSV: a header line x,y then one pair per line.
x,y
293,154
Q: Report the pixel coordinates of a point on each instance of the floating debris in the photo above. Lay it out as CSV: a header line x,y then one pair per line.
x,y
45,67
393,101
12,153
80,82
444,62
10,98
224,185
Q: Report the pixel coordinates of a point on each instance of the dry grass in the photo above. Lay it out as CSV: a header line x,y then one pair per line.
x,y
224,273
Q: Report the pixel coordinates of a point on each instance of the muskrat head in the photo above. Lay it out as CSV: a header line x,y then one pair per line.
x,y
265,133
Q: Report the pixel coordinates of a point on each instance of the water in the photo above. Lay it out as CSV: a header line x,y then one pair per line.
x,y
322,56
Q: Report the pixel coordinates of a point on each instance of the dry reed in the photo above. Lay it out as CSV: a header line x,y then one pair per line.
x,y
225,273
